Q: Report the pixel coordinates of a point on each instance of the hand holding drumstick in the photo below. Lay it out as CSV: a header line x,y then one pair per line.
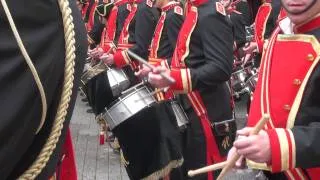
x,y
227,165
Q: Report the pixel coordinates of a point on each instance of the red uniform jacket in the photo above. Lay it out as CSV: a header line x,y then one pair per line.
x,y
288,90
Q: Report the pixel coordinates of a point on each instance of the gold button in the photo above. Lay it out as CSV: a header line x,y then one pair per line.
x,y
297,82
287,107
310,57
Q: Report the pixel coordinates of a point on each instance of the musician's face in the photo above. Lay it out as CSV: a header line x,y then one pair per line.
x,y
301,10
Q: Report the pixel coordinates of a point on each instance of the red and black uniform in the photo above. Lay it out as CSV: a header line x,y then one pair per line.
x,y
90,14
40,25
94,24
166,33
84,7
114,24
165,38
288,90
240,18
201,66
138,35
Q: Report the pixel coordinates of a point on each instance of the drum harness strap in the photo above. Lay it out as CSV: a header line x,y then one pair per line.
x,y
69,35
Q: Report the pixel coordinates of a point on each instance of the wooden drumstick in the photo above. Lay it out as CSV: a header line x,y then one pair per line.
x,y
153,93
141,60
206,169
234,159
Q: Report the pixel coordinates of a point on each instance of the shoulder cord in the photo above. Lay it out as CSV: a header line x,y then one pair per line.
x,y
69,35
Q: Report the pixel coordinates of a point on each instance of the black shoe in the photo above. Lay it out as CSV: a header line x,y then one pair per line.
x,y
81,94
84,100
90,111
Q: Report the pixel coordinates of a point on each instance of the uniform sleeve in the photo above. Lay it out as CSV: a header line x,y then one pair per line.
x,y
299,147
217,42
174,23
94,35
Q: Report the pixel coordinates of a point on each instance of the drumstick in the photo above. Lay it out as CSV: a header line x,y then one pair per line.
x,y
234,159
141,60
153,93
206,169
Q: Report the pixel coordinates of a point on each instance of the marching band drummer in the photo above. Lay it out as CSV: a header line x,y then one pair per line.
x,y
162,48
113,26
136,36
201,65
22,134
288,91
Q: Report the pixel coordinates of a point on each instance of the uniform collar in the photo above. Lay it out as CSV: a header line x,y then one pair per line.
x,y
169,6
286,26
198,2
309,26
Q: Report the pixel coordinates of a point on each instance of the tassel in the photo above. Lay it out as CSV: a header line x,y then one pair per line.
x,y
102,138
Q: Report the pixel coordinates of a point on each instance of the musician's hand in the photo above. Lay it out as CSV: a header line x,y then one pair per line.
x,y
241,161
156,80
107,59
250,48
96,53
143,71
254,147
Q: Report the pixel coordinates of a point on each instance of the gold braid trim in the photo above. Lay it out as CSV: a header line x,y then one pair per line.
x,y
69,35
164,171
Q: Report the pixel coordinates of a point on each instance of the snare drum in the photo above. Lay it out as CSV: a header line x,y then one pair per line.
x,y
252,82
118,80
150,142
238,80
102,85
98,92
134,100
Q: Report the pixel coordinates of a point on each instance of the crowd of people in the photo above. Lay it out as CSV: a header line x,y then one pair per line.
x,y
158,75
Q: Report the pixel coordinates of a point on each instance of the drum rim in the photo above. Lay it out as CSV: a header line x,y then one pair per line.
x,y
119,99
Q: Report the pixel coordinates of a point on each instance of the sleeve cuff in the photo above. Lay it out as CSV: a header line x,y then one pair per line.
x,y
107,47
155,61
283,153
159,62
121,58
183,80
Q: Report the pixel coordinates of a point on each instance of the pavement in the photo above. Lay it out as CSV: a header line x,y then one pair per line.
x,y
100,162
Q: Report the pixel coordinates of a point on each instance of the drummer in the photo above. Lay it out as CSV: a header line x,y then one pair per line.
x,y
162,46
201,65
288,145
139,35
113,26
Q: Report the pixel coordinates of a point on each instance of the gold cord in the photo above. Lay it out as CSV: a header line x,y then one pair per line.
x,y
69,35
29,62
